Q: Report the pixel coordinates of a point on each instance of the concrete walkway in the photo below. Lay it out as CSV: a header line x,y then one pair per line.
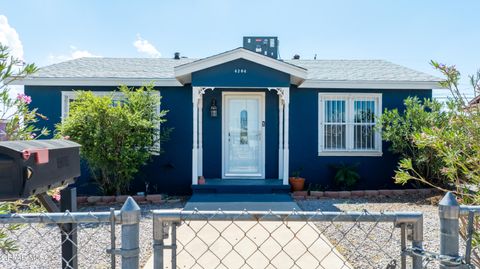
x,y
248,244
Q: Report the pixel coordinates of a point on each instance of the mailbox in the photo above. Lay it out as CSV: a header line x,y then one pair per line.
x,y
35,166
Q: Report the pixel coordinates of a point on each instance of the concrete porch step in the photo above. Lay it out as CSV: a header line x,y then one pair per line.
x,y
257,186
240,202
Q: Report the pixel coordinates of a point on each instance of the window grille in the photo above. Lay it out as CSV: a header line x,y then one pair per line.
x,y
347,124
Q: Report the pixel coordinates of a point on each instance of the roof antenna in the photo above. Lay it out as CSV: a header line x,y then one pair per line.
x,y
315,57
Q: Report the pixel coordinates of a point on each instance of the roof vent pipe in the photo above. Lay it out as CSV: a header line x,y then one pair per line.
x,y
176,56
296,57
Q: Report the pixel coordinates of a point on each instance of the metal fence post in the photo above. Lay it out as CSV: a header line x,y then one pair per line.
x,y
449,212
130,251
417,242
174,244
69,230
158,243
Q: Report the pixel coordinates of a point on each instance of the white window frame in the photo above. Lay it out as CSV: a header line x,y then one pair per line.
x,y
349,111
68,96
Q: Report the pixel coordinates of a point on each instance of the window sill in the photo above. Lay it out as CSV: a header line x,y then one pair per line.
x,y
351,153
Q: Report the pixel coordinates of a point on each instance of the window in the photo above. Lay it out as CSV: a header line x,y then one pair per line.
x,y
347,124
69,96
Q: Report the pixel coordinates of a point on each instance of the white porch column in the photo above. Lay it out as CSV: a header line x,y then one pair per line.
x,y
195,94
286,96
280,137
200,135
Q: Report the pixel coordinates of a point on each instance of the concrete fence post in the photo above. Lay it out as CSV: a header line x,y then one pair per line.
x,y
449,212
130,214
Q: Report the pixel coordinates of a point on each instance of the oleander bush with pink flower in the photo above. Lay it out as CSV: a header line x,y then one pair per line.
x,y
17,120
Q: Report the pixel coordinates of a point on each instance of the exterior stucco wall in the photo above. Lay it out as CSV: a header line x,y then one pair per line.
x,y
240,73
167,173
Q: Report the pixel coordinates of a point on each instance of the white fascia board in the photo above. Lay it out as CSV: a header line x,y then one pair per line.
x,y
183,72
368,84
39,81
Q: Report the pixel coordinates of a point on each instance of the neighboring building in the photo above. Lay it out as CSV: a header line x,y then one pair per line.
x,y
272,116
474,102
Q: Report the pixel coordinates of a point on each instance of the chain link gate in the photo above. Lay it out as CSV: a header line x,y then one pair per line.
x,y
269,239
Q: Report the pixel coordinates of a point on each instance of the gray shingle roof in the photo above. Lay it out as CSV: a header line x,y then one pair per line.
x,y
97,67
354,70
163,68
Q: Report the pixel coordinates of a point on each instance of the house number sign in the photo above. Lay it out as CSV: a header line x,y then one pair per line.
x,y
240,71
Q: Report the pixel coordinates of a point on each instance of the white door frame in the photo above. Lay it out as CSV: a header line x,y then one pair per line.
x,y
225,95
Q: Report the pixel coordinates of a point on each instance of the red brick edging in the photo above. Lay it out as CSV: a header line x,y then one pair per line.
x,y
141,199
312,195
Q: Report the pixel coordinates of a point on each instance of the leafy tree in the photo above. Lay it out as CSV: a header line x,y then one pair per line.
x,y
452,139
117,137
447,140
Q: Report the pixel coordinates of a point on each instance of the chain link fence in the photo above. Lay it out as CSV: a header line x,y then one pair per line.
x,y
298,239
241,239
38,240
72,239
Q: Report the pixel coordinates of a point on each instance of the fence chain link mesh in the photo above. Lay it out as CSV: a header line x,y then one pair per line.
x,y
288,240
38,244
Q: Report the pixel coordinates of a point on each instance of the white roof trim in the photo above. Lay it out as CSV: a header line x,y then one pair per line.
x,y
369,84
57,81
184,72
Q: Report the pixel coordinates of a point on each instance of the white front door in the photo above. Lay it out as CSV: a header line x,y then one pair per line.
x,y
243,135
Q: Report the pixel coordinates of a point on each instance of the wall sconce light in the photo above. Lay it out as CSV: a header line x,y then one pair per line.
x,y
213,108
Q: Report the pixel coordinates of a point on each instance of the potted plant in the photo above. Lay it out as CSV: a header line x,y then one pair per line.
x,y
296,182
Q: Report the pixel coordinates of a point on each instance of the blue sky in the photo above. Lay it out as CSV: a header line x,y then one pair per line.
x,y
405,32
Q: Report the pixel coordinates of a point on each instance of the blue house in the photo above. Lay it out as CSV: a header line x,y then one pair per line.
x,y
243,118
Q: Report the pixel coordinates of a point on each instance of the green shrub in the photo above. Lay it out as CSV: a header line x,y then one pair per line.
x,y
400,128
117,138
346,176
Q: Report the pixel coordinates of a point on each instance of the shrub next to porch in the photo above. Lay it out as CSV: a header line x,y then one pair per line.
x,y
117,137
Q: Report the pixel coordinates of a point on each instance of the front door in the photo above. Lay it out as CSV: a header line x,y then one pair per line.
x,y
243,135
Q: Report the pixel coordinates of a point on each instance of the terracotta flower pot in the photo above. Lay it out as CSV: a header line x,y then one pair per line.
x,y
297,183
201,180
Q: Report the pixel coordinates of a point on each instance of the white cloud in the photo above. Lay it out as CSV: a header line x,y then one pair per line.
x,y
75,53
144,46
9,37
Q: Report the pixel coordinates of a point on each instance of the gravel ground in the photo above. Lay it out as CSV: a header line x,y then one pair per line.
x,y
39,245
376,245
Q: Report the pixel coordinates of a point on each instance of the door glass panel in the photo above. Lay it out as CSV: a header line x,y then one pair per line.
x,y
243,137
